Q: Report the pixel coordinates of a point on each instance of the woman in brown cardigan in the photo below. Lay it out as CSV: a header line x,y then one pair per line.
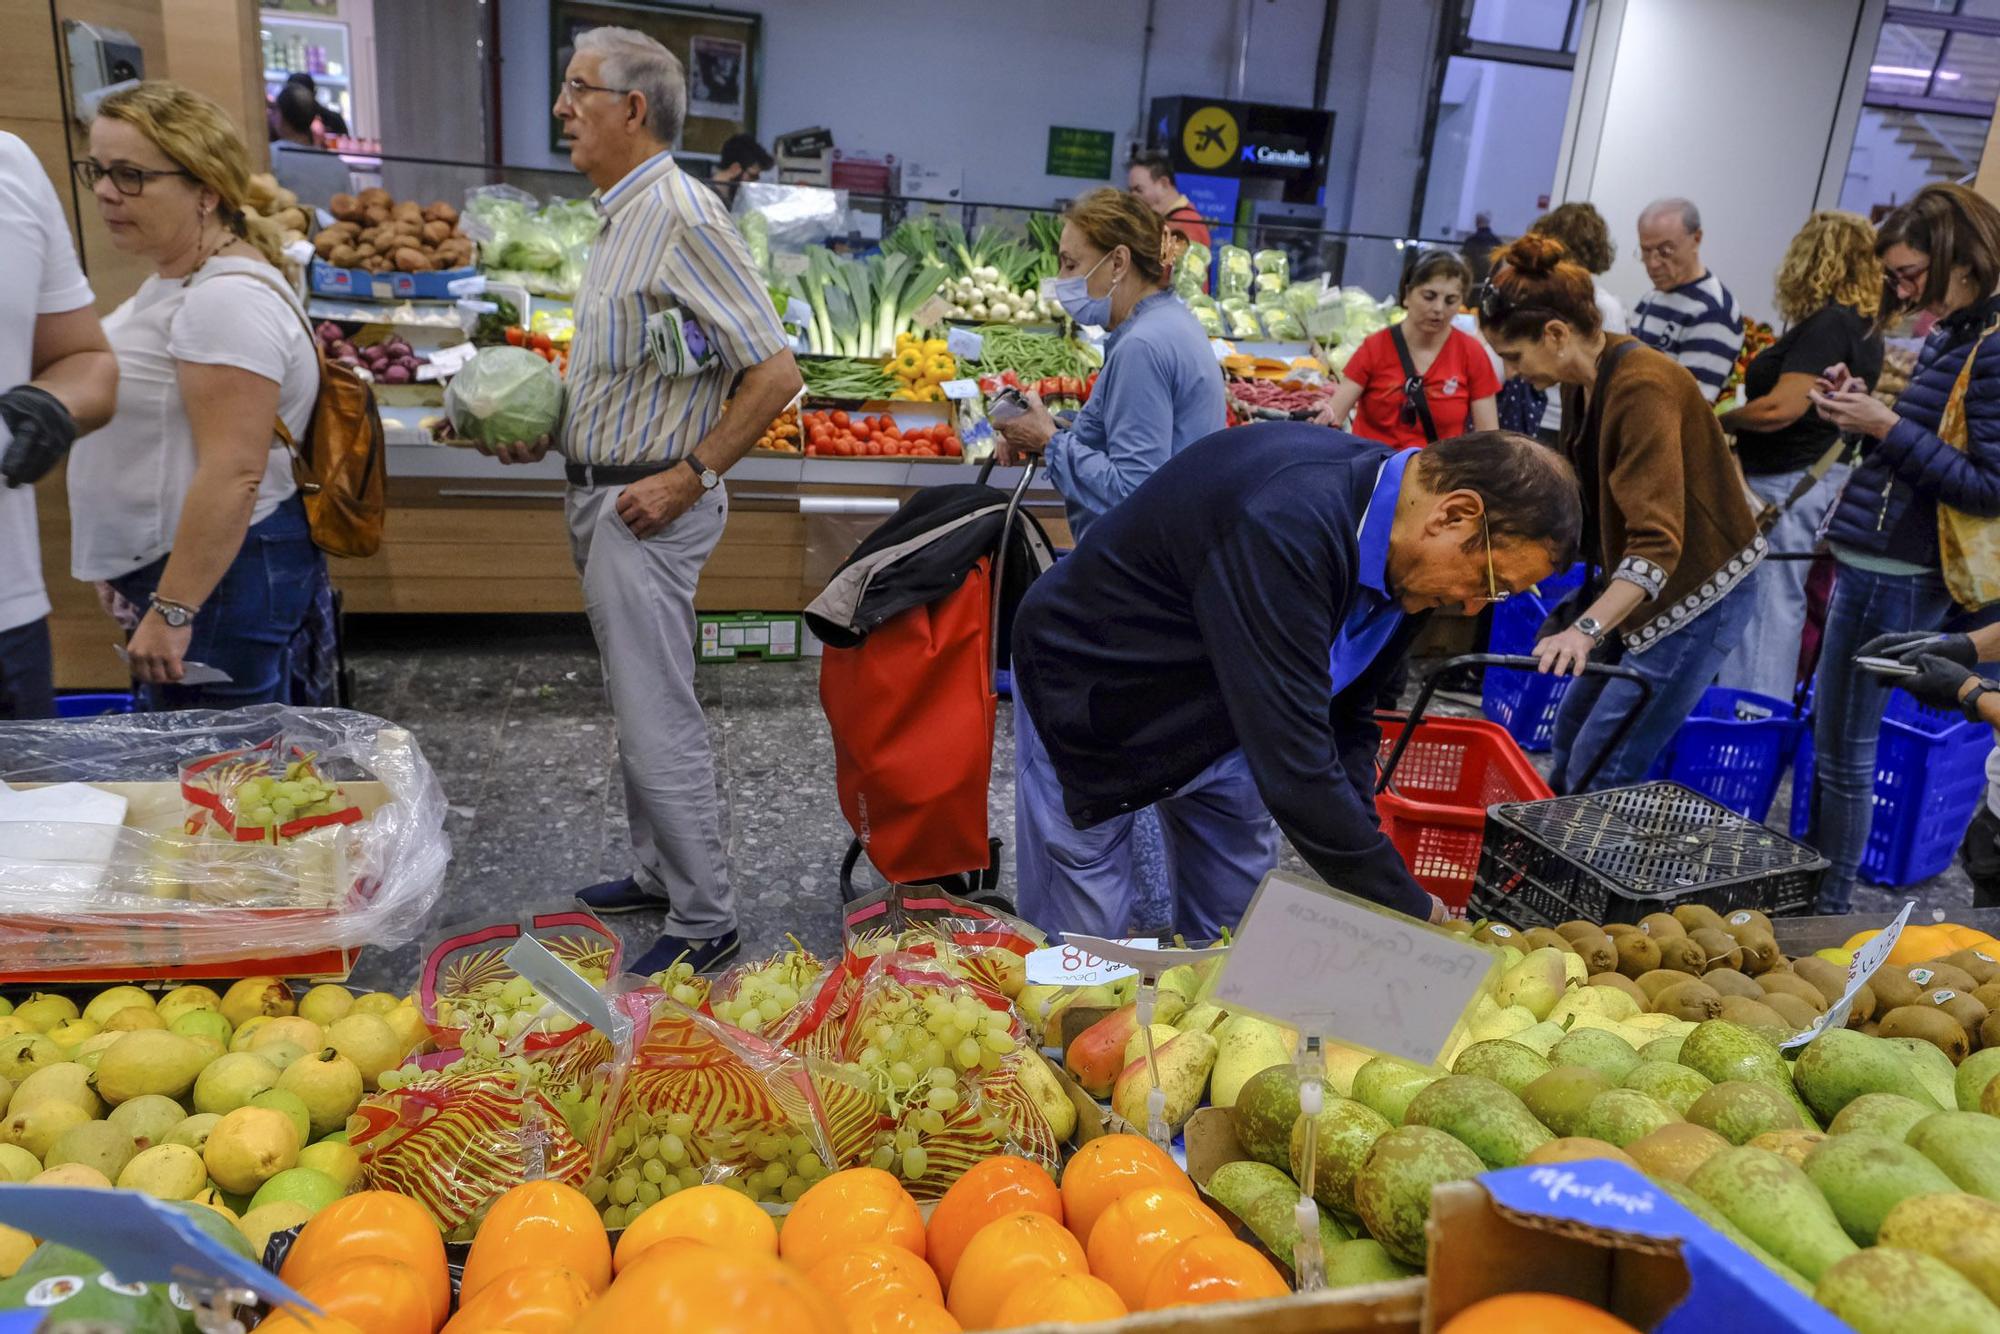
x,y
1667,523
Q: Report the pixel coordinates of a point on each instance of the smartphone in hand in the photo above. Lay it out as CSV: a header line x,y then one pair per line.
x,y
1886,666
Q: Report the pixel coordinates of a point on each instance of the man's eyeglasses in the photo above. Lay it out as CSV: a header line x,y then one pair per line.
x,y
126,179
577,87
1494,593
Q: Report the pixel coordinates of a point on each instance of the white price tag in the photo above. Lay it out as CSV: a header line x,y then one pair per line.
x,y
566,987
788,264
932,312
965,343
446,362
472,307
1866,960
797,313
1072,965
956,389
471,285
1328,963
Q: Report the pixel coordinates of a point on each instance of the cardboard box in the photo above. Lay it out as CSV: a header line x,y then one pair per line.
x,y
360,284
1602,1233
1380,1308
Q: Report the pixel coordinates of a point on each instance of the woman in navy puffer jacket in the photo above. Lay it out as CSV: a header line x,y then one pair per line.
x,y
1941,252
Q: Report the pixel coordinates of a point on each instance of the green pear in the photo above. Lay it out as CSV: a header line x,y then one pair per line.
x,y
1480,1114
1688,1199
1606,1053
1720,1051
165,1172
182,999
340,1162
38,1126
24,1053
1840,1065
97,1144
328,1084
109,1002
1931,1068
1183,1064
202,1023
1666,1050
1561,1098
1889,1114
1740,1111
148,1060
1344,1133
1541,1039
147,1118
1505,1062
1386,1085
17,1164
193,1132
43,1012
293,1107
1777,1205
1966,1145
1887,1290
65,1080
302,1185
1674,1085
231,1081
1536,983
1619,1116
1961,1230
1393,1192
1865,1176
1975,1072
1245,1044
1267,1106
1363,1260
324,1004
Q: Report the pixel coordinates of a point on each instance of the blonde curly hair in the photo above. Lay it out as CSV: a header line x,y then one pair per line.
x,y
198,136
1831,261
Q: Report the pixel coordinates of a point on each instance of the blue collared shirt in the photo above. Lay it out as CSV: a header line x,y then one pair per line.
x,y
1375,615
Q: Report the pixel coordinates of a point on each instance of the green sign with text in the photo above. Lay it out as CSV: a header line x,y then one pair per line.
x,y
1085,154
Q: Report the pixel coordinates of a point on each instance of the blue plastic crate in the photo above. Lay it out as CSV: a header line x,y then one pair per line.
x,y
1732,749
1930,775
1525,702
92,706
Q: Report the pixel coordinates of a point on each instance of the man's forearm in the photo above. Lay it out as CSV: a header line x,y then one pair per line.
x,y
86,384
765,391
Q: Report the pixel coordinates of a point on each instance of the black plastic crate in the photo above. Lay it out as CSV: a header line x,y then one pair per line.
x,y
1615,856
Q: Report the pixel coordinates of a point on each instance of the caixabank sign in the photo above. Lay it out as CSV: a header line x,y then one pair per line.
x,y
1214,137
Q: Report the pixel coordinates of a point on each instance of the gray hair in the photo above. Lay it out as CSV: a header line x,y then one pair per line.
x,y
633,62
1690,215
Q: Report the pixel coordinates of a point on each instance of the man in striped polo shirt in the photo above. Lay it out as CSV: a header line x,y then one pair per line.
x,y
1689,314
669,312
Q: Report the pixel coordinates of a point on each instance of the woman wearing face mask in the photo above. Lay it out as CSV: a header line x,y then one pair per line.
x,y
185,502
1666,523
1941,254
1160,388
1420,381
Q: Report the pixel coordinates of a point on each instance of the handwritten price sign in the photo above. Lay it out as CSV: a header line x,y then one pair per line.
x,y
1075,966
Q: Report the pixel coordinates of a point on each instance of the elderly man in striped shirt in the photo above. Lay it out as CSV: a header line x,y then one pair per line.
x,y
670,311
1689,314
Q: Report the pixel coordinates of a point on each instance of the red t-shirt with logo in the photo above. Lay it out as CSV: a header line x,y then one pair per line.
x,y
1461,373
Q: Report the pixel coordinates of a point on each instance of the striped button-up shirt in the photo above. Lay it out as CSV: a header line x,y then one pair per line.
x,y
667,244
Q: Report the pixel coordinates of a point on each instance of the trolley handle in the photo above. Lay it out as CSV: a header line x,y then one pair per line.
x,y
1000,552
1527,663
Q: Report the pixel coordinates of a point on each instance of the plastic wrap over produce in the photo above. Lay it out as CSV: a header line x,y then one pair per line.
x,y
795,216
200,837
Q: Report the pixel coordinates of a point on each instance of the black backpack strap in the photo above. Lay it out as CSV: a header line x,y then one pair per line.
x,y
1413,384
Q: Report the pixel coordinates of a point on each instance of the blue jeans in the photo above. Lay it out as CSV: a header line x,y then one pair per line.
x,y
1678,667
1767,661
1220,843
1847,712
27,672
246,626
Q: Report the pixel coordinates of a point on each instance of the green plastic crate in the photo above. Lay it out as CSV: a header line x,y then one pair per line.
x,y
739,635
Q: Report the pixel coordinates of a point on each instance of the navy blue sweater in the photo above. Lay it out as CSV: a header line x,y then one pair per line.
x,y
1197,617
1889,506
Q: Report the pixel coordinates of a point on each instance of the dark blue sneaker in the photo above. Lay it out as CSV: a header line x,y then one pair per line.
x,y
705,955
617,896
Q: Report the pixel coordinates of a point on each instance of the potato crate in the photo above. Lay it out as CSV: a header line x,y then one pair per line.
x,y
734,636
1616,855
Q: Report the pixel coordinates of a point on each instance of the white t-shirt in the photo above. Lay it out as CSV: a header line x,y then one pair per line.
x,y
127,482
40,277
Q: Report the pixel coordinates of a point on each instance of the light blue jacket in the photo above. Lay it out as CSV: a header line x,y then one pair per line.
x,y
1160,391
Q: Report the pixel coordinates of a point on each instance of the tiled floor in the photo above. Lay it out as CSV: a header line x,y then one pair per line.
x,y
510,713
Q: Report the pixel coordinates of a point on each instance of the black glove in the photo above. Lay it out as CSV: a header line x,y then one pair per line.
x,y
42,429
1938,681
1912,644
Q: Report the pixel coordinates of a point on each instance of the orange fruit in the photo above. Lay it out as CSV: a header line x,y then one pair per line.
x,y
1968,937
1534,1313
542,1300
993,1189
861,1271
694,1289
1212,1269
1106,1168
1022,1250
1138,1229
285,1322
898,1313
713,1215
1921,944
373,1223
1073,1299
373,1293
536,1225
847,1208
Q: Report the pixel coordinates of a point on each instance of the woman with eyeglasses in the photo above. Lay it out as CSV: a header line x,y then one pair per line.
x,y
185,502
1420,381
1941,255
1667,528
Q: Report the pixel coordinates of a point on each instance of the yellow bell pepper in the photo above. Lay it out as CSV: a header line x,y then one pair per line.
x,y
942,366
936,347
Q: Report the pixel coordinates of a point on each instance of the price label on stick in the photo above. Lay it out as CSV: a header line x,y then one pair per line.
x,y
1072,964
957,389
1866,960
932,312
566,987
1328,963
965,343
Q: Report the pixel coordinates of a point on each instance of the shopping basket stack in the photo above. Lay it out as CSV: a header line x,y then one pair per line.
x,y
1524,701
1733,748
1434,807
1619,854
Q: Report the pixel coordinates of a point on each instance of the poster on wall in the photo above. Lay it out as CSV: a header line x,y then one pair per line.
x,y
715,77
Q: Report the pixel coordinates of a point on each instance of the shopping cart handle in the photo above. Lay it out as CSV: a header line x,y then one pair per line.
x,y
1523,662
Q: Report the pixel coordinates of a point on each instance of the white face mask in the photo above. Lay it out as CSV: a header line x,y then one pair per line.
x,y
1073,294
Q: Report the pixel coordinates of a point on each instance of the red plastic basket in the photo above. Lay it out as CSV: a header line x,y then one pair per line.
x,y
1434,810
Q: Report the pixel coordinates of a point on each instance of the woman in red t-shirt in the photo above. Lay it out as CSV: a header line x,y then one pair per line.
x,y
1457,377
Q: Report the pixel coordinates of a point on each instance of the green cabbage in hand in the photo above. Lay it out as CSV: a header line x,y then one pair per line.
x,y
504,395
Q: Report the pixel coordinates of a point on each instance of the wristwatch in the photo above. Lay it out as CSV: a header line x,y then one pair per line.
x,y
176,614
1590,627
1969,703
710,478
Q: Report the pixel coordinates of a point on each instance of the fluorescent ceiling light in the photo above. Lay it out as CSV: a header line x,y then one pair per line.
x,y
1911,72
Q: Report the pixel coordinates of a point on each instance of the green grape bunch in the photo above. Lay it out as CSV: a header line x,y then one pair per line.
x,y
264,801
679,980
651,1157
766,994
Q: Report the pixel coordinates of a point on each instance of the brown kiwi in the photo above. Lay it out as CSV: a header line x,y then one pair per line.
x,y
1575,927
1943,975
1694,916
1795,1012
1460,926
1760,952
1691,999
1978,965
1498,933
1865,1007
1617,929
1894,989
1988,994
1661,926
1743,918
1538,937
1656,980
1619,982
1870,1029
1729,982
1720,946
1828,978
1752,1014
1968,1013
1930,1024
1638,954
1683,955
1599,955
1989,1032
1791,984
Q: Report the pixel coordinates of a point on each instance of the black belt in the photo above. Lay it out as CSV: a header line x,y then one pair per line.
x,y
615,474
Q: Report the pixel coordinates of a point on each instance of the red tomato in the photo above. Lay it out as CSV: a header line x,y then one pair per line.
x,y
840,420
953,449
